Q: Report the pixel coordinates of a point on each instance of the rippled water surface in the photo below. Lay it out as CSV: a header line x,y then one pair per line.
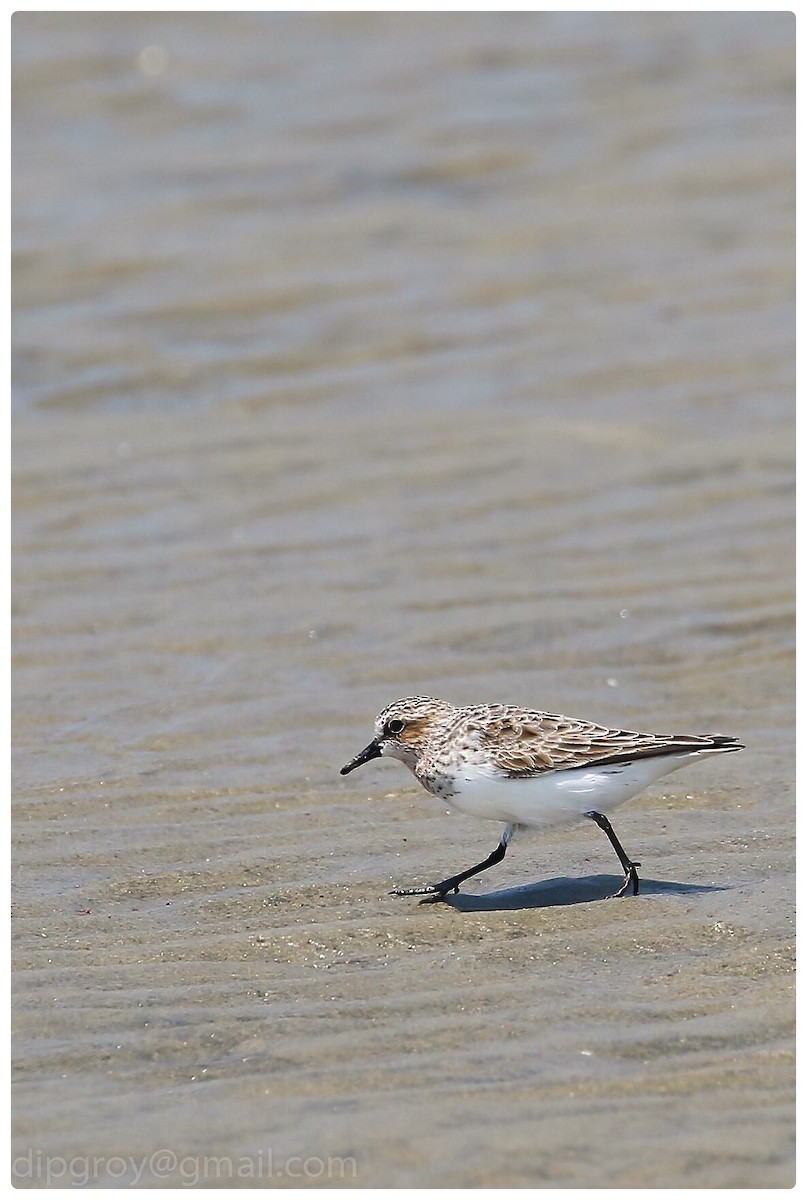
x,y
360,355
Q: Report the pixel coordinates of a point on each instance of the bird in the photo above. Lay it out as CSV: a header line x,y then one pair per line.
x,y
526,768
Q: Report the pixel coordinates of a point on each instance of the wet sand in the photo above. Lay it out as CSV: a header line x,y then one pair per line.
x,y
357,357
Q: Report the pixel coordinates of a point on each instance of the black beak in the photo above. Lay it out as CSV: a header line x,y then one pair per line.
x,y
367,755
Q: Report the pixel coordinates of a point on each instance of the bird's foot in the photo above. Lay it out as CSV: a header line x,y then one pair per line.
x,y
433,893
631,881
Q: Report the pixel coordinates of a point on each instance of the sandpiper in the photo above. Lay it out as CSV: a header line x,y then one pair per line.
x,y
526,768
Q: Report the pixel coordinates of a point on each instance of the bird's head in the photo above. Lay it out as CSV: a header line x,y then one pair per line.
x,y
403,729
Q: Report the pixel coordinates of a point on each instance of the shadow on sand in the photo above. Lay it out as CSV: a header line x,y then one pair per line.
x,y
550,893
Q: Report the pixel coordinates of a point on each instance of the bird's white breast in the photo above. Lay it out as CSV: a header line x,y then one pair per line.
x,y
557,796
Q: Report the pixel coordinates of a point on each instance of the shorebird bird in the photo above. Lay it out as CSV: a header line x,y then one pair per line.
x,y
526,768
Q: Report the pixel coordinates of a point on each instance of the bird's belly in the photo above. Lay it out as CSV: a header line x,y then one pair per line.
x,y
557,796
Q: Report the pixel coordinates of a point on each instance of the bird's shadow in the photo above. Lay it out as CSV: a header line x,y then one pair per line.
x,y
554,893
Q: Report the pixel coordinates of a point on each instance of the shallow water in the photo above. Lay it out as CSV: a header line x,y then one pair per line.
x,y
356,356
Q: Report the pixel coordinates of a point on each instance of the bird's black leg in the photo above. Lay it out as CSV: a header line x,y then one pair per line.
x,y
631,877
439,891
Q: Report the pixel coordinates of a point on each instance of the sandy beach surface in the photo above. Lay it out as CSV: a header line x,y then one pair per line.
x,y
359,356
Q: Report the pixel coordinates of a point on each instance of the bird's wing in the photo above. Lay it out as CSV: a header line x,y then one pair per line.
x,y
523,743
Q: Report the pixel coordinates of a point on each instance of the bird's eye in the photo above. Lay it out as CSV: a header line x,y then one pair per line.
x,y
395,726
